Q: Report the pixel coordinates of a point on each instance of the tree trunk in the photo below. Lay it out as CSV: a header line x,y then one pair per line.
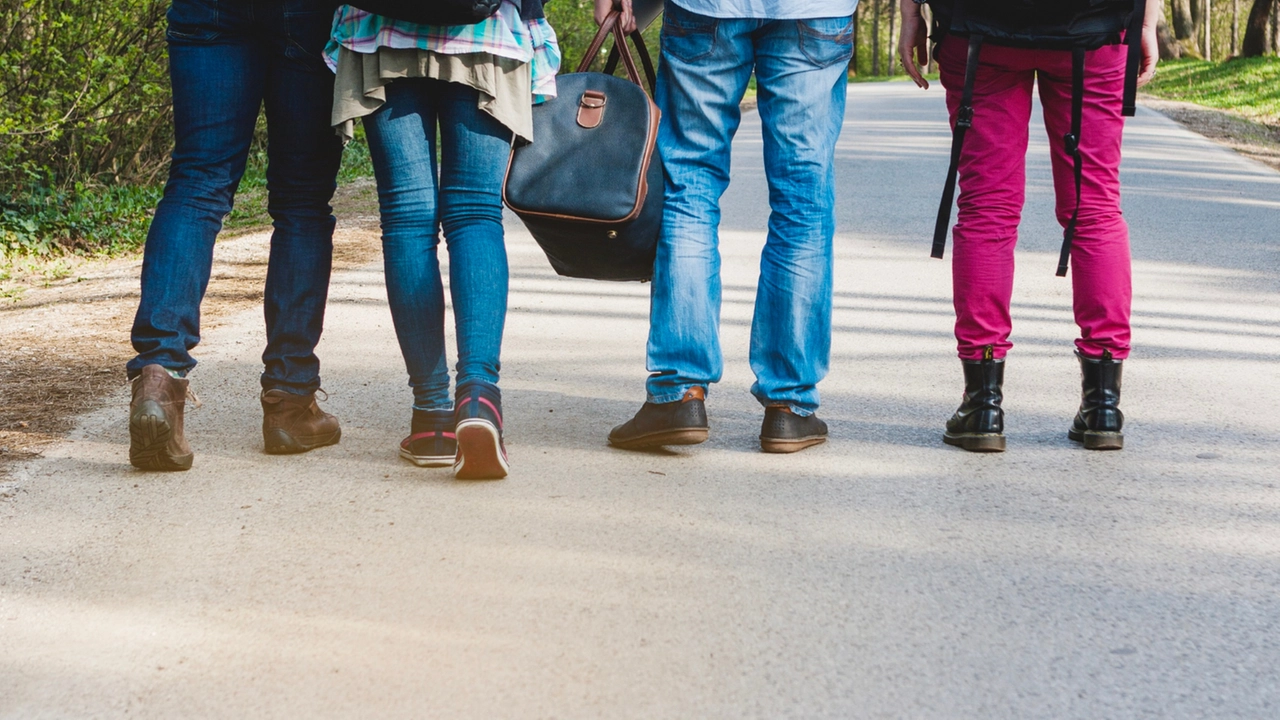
x,y
875,39
1184,24
893,16
1206,24
1275,28
853,61
1235,27
1255,29
928,20
1170,48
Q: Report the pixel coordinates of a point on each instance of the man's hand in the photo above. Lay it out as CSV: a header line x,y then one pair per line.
x,y
1150,45
628,19
913,40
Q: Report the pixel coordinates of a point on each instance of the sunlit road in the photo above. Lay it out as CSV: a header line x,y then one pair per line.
x,y
880,575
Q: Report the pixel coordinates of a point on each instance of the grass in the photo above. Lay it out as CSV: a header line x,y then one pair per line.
x,y
83,219
1248,86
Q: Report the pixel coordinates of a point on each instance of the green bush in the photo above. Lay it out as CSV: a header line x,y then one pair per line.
x,y
84,92
86,122
85,125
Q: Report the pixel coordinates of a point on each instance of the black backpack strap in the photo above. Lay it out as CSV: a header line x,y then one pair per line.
x,y
1133,38
1072,141
964,120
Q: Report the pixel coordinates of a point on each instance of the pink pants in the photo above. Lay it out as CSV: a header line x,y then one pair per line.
x,y
993,187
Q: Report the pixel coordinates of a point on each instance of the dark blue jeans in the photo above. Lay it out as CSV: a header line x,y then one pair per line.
x,y
227,60
461,196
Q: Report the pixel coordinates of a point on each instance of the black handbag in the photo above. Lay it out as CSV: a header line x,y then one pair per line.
x,y
590,186
432,12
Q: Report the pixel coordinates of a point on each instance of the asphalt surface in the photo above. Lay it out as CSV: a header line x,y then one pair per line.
x,y
880,575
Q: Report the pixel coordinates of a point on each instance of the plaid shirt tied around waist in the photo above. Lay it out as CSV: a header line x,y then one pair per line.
x,y
503,34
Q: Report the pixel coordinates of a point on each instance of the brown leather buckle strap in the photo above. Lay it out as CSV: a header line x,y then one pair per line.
x,y
591,109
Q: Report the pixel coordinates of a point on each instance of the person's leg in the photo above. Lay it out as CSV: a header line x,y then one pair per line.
x,y
801,85
1100,264
303,153
705,66
473,160
992,186
216,71
401,136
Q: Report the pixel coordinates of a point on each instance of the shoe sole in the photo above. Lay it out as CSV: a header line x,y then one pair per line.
x,y
1098,440
687,436
279,442
976,442
149,437
775,445
431,461
480,455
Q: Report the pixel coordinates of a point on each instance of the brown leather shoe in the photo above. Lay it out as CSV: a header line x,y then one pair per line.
x,y
293,423
155,421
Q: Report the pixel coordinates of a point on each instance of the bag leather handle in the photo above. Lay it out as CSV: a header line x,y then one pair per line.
x,y
610,26
645,61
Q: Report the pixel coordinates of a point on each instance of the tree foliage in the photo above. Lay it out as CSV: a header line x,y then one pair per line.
x,y
83,91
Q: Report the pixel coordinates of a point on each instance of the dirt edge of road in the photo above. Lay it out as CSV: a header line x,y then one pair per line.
x,y
63,344
1252,139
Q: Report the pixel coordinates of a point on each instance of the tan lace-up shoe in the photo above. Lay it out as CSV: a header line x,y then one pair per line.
x,y
294,423
156,441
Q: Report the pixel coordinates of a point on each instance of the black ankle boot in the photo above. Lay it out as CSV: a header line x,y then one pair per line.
x,y
1099,421
978,425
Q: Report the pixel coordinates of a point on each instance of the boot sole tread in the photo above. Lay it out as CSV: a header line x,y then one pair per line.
x,y
279,442
149,437
1092,440
976,442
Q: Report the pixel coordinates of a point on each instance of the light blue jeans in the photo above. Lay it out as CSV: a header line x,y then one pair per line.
x,y
461,196
800,68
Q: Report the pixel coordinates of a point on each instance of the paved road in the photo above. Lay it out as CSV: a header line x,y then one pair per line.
x,y
882,575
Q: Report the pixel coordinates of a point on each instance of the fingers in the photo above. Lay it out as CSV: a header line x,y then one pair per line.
x,y
1147,73
602,10
628,18
907,49
904,56
1150,57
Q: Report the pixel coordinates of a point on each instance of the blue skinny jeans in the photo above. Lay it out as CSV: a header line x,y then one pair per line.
x,y
419,198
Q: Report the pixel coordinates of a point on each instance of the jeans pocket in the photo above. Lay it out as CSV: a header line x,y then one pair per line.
x,y
307,33
826,41
686,35
193,20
